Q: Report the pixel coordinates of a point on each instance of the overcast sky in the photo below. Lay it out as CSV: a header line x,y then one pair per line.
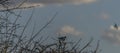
x,y
80,18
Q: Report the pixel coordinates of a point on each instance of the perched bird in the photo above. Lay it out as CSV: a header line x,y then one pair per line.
x,y
62,38
116,26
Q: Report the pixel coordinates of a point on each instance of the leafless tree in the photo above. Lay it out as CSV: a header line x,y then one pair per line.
x,y
13,42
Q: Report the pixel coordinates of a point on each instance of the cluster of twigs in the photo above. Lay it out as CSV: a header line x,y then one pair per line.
x,y
9,6
13,40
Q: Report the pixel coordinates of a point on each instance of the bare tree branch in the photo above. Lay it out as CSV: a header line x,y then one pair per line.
x,y
97,47
86,45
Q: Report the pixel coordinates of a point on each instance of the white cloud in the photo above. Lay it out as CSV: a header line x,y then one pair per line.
x,y
69,30
113,28
112,35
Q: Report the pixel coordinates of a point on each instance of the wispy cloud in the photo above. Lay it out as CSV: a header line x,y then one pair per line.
x,y
60,1
34,4
104,15
112,35
41,3
47,2
69,30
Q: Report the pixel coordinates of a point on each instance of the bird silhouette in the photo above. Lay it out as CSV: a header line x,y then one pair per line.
x,y
116,26
62,38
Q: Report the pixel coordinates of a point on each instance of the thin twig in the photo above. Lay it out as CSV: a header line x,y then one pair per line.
x,y
97,47
86,45
43,27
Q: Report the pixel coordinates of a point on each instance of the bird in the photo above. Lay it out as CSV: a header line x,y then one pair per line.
x,y
62,38
116,26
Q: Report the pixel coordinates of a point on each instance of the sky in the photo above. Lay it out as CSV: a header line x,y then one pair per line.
x,y
78,19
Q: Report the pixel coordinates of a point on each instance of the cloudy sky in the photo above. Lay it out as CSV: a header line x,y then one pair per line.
x,y
79,18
